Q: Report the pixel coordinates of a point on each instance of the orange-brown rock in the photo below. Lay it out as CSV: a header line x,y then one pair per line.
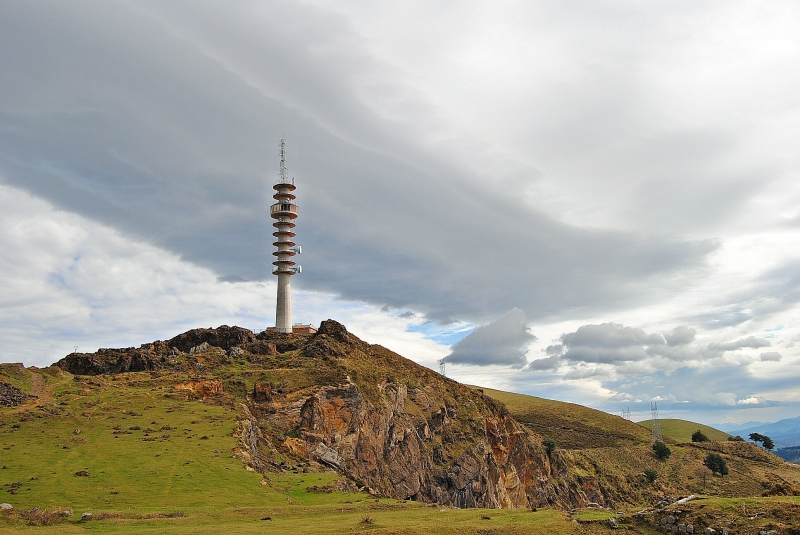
x,y
206,387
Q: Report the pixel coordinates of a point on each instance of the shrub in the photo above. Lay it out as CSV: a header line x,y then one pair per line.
x,y
737,438
661,450
549,445
699,436
716,464
650,474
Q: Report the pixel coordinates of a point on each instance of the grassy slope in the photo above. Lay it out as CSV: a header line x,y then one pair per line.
x,y
174,467
681,430
571,426
617,451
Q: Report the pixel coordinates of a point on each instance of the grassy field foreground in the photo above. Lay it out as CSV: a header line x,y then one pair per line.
x,y
144,456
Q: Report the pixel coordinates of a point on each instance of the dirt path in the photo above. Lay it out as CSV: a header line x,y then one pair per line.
x,y
38,389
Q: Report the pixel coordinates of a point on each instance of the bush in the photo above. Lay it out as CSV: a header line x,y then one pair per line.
x,y
699,436
549,445
716,464
661,450
737,438
650,474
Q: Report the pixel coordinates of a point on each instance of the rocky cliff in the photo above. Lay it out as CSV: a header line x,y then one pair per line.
x,y
388,424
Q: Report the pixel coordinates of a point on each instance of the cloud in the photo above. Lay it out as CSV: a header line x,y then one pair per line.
x,y
752,400
504,341
177,150
610,335
549,363
749,342
680,335
770,356
607,343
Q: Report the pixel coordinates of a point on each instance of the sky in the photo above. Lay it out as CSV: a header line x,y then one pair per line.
x,y
590,201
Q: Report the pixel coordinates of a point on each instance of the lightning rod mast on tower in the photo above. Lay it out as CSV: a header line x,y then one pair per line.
x,y
284,212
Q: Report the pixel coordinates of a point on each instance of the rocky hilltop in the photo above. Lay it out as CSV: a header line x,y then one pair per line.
x,y
387,423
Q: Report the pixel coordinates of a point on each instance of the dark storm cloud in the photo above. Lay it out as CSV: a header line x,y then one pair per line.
x,y
162,121
502,342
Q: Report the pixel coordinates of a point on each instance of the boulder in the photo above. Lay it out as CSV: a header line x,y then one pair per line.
x,y
335,330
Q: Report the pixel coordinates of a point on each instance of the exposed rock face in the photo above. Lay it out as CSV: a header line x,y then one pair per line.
x,y
431,456
11,396
223,337
206,387
110,361
434,440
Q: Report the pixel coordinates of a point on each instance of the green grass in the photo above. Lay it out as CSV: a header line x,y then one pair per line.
x,y
571,426
184,463
681,430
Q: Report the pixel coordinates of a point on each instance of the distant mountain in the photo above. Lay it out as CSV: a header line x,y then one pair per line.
x,y
784,433
734,428
790,454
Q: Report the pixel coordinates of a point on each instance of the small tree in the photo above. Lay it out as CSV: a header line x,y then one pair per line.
x,y
716,464
699,436
650,474
765,441
661,450
549,445
737,438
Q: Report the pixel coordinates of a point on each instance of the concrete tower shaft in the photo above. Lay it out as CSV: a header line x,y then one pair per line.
x,y
284,212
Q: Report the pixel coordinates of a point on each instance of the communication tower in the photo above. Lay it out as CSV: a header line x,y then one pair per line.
x,y
284,212
654,419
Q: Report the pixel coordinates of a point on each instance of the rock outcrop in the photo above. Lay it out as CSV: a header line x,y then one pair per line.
x,y
391,426
11,396
204,387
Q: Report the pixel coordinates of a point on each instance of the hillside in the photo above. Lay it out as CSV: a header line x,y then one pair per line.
x,y
618,451
571,426
681,430
225,426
